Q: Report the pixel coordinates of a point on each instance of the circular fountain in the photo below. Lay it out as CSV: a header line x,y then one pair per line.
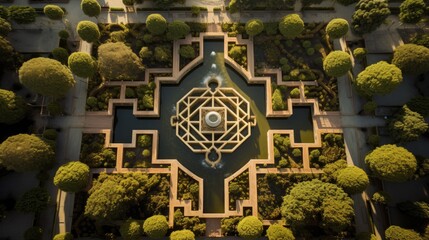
x,y
213,119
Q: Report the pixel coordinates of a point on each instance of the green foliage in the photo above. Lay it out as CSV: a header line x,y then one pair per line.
x,y
411,59
411,11
177,30
359,53
22,14
254,27
187,51
337,63
337,28
145,140
406,125
277,100
291,26
156,24
318,203
250,227
294,93
379,78
278,232
88,31
34,200
131,230
421,39
50,134
271,28
116,61
33,155
182,235
391,163
33,233
195,10
373,140
54,108
53,12
10,59
398,233
369,15
60,54
194,224
91,8
156,226
331,170
72,177
4,12
12,107
417,209
370,107
352,179
64,34
128,2
81,64
419,105
63,236
163,54
145,53
5,27
46,76
365,236
229,225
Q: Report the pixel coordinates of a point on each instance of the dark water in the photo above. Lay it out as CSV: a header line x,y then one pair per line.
x,y
172,147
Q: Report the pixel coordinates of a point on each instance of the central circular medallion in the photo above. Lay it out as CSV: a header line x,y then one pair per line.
x,y
213,119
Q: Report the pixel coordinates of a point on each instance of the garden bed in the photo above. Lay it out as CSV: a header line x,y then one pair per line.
x,y
238,189
188,53
332,150
284,155
141,155
188,189
93,152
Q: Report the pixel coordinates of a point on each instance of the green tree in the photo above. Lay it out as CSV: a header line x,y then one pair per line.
x,y
72,177
9,58
34,200
411,59
5,27
12,107
411,11
63,236
53,12
359,53
91,8
46,76
406,125
81,64
24,153
156,226
131,230
277,100
352,179
254,27
398,233
182,235
187,51
156,24
381,197
60,54
337,63
318,203
250,227
63,34
88,31
379,78
392,163
22,14
278,232
162,54
4,12
369,15
177,29
419,105
116,61
418,209
337,28
291,26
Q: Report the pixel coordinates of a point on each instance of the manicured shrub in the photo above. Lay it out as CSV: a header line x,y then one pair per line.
x,y
46,76
33,155
64,34
55,108
379,78
145,141
34,200
156,226
63,236
337,63
156,24
381,197
369,15
291,26
271,28
60,54
4,12
254,27
88,31
370,107
337,28
53,12
419,105
411,59
398,233
90,8
407,126
22,14
418,209
5,27
391,163
359,53
187,51
250,227
297,152
295,93
277,101
72,177
145,53
81,64
131,230
50,134
182,235
162,54
146,153
177,29
278,232
411,11
33,233
12,107
352,179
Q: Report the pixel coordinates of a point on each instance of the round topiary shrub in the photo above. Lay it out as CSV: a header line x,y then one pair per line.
x,y
187,51
177,29
63,34
156,226
156,24
278,232
359,53
50,134
254,27
379,78
131,230
295,93
22,14
91,8
352,179
88,31
291,26
337,63
337,28
5,27
411,59
182,235
12,107
381,197
33,201
145,53
81,64
398,233
53,12
60,54
250,227
63,236
72,177
412,11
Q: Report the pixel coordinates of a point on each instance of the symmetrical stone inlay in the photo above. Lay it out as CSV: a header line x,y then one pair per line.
x,y
213,120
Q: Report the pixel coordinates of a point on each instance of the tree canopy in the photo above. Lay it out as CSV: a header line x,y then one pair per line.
x,y
60,54
398,233
250,227
392,163
131,230
177,29
12,107
91,8
34,200
53,12
116,61
352,179
337,28
406,125
81,64
254,27
291,26
72,177
379,78
316,203
156,226
369,15
5,27
24,153
22,14
182,235
156,24
411,59
88,31
337,63
418,209
411,11
46,76
278,232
